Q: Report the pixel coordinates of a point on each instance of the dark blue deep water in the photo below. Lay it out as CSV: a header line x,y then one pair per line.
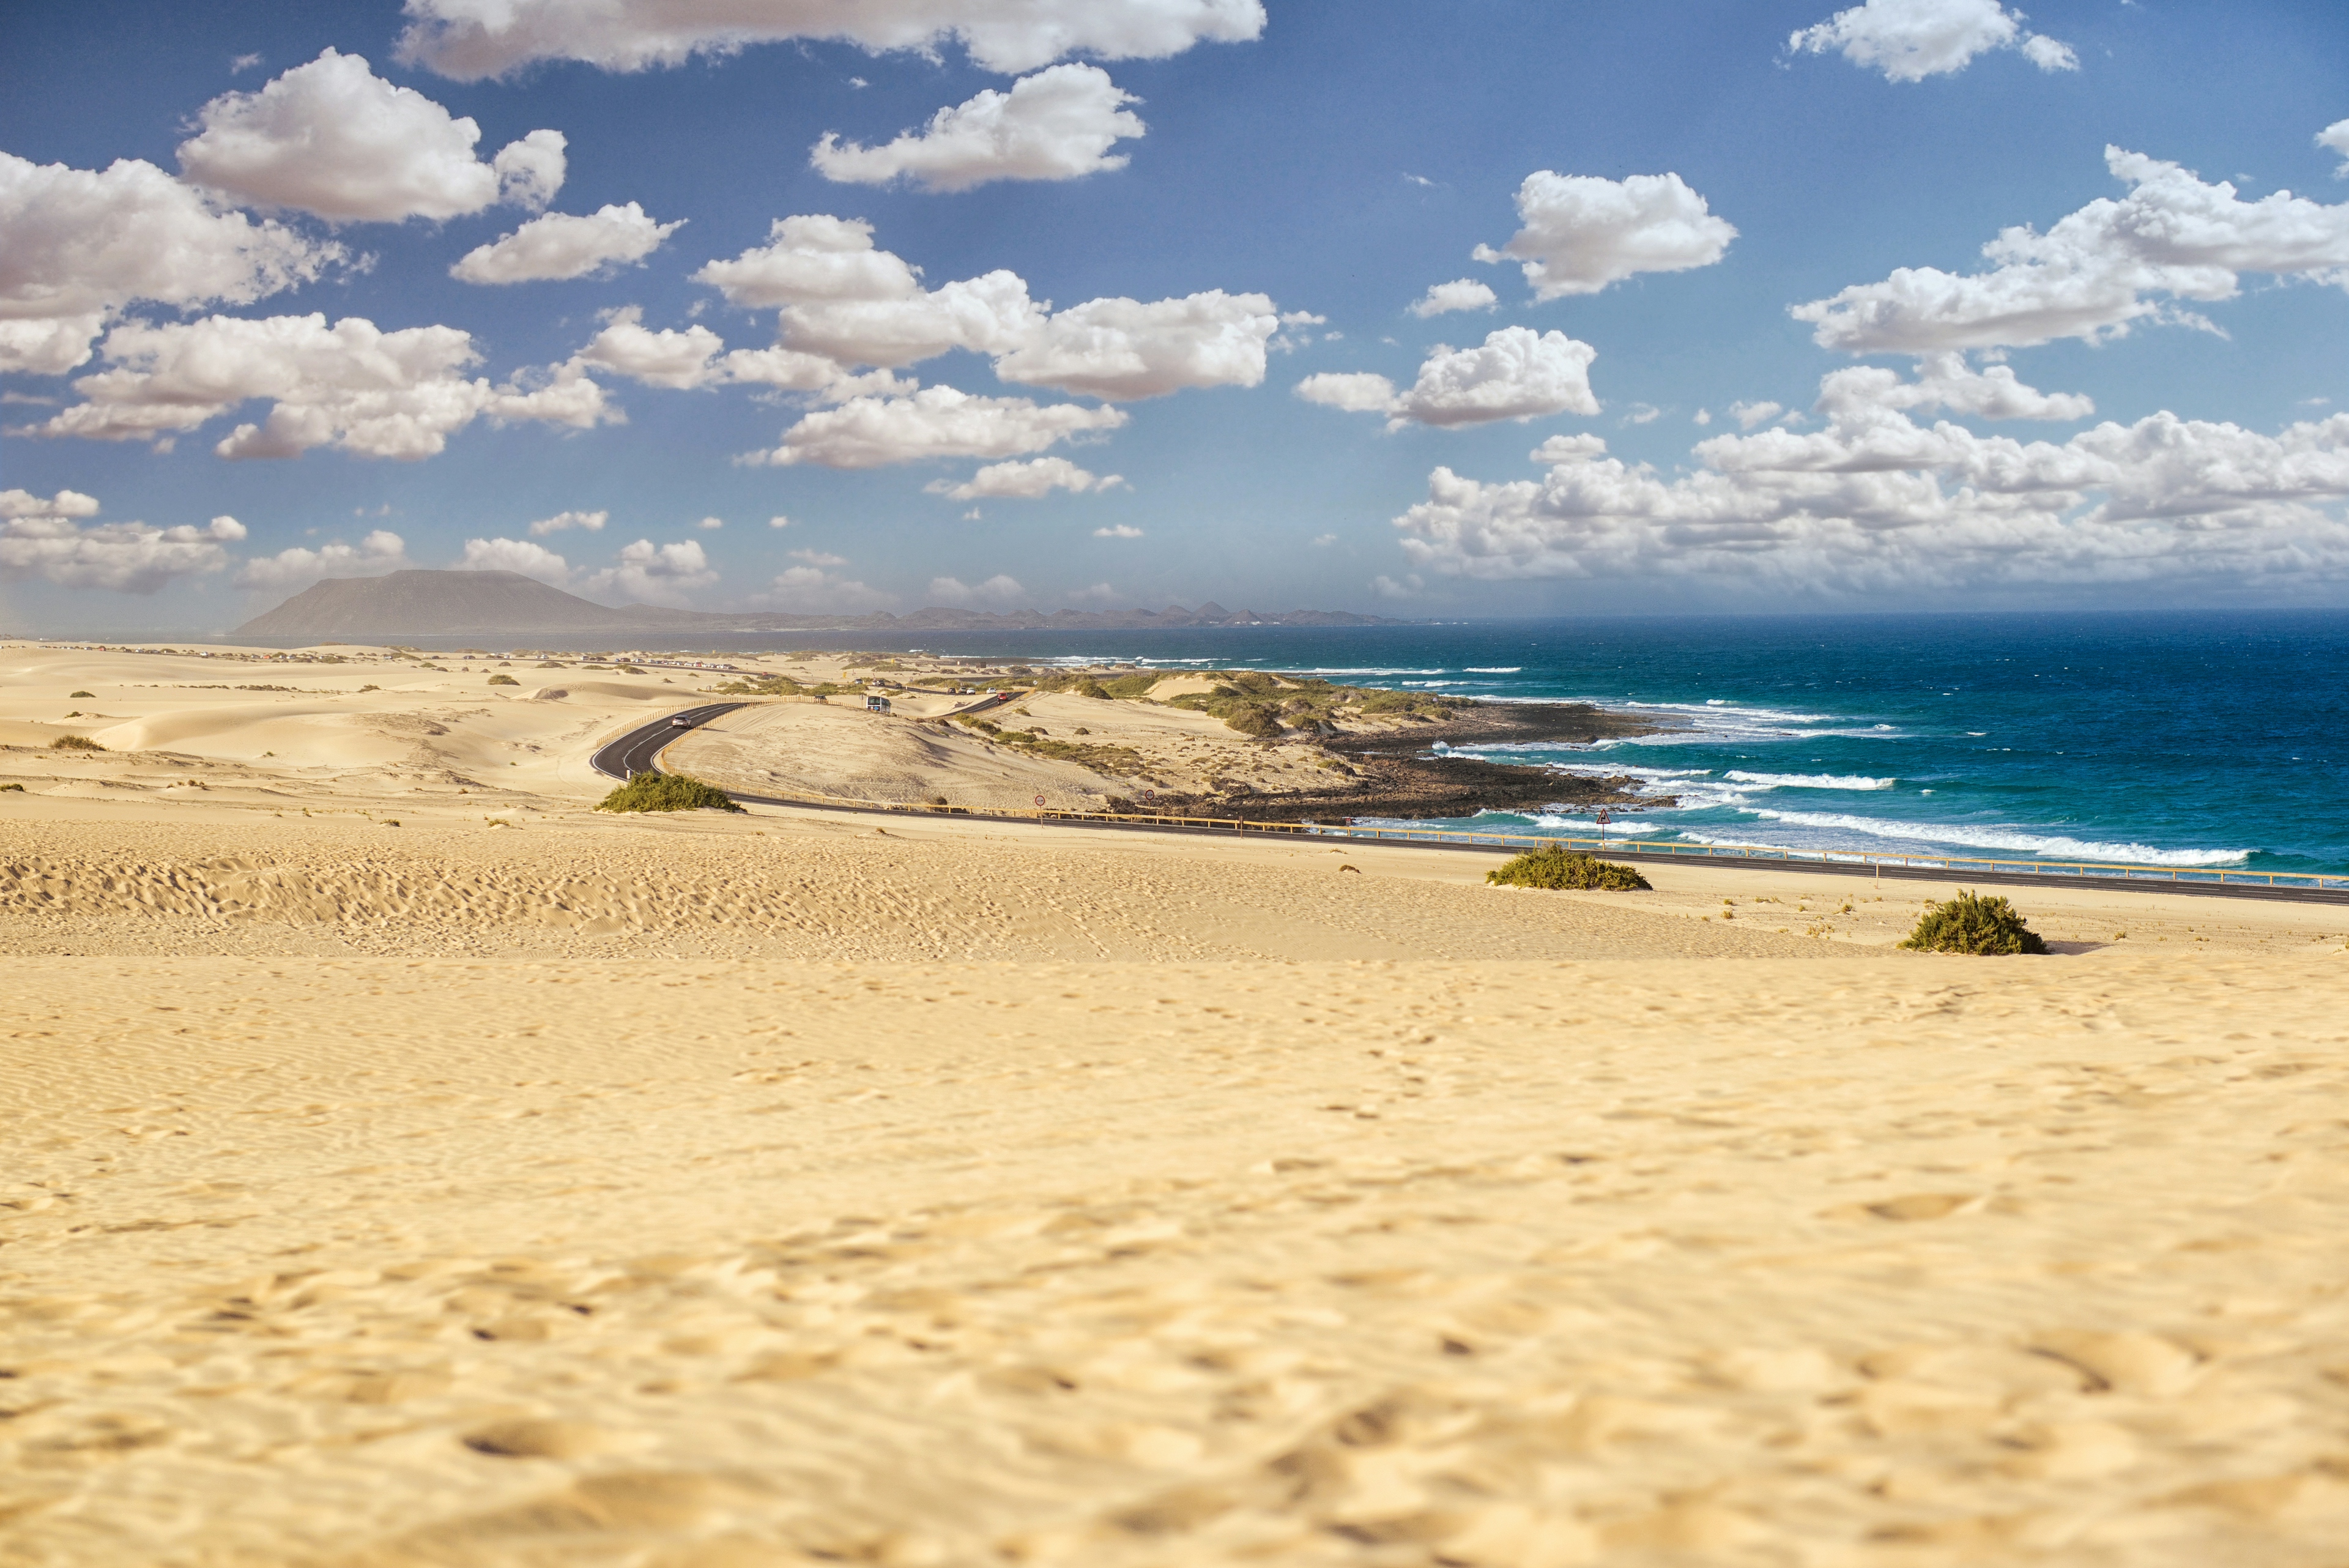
x,y
2205,740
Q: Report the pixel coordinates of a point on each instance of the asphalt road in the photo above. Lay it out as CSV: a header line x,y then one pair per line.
x,y
634,753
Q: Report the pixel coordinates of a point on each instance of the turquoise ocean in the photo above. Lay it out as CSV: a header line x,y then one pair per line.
x,y
2214,739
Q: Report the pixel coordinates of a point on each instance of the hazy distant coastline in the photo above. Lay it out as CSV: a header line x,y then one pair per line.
x,y
505,605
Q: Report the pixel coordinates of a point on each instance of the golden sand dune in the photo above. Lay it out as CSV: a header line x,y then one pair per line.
x,y
795,885
402,1165
1914,1262
810,748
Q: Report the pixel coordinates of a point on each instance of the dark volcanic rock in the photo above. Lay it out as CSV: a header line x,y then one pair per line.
x,y
1396,775
1418,788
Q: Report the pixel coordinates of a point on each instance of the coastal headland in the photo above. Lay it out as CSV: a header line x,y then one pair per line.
x,y
407,1164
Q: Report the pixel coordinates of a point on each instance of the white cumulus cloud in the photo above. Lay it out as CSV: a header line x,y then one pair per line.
x,y
1909,40
593,522
1354,392
998,590
291,570
1024,481
1460,293
470,39
82,243
1947,381
936,421
1514,374
668,357
1121,349
350,385
812,589
696,356
991,315
1582,233
43,538
1059,124
127,557
334,139
654,573
1876,502
2097,271
531,560
811,259
560,245
1118,531
2334,138
845,301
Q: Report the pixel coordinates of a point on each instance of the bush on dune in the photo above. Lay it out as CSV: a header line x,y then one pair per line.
x,y
1979,924
1556,866
75,744
667,792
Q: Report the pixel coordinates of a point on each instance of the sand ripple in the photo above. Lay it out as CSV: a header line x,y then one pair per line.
x,y
400,1261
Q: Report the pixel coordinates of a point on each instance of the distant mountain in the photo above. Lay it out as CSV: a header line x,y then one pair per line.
x,y
507,605
447,604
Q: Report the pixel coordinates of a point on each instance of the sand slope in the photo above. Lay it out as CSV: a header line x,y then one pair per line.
x,y
401,1164
797,885
382,1262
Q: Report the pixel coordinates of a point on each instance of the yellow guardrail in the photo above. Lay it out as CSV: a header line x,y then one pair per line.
x,y
1957,866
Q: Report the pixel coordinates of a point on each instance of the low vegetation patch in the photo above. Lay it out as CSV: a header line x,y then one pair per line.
x,y
784,686
1120,762
73,694
1976,923
7,787
75,744
667,792
1555,865
503,680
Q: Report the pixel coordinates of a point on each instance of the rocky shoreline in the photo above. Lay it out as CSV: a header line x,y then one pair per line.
x,y
1394,773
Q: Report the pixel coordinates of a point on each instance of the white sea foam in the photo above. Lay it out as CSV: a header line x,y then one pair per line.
x,y
1364,670
1494,669
1721,708
2052,845
1810,781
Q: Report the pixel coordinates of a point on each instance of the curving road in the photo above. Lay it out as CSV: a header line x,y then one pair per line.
x,y
634,753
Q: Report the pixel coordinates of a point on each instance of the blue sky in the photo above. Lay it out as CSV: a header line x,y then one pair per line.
x,y
2140,405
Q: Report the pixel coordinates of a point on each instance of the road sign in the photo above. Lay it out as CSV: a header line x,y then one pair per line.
x,y
1040,800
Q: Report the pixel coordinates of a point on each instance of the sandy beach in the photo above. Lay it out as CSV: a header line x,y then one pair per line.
x,y
407,1164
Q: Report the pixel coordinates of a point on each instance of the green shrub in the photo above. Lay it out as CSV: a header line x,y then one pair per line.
x,y
1252,720
75,744
1981,924
71,694
667,792
762,686
1556,866
7,787
503,680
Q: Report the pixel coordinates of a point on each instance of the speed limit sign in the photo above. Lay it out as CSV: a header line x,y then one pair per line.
x,y
1040,800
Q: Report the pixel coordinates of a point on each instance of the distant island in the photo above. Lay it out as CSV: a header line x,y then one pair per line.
x,y
420,603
